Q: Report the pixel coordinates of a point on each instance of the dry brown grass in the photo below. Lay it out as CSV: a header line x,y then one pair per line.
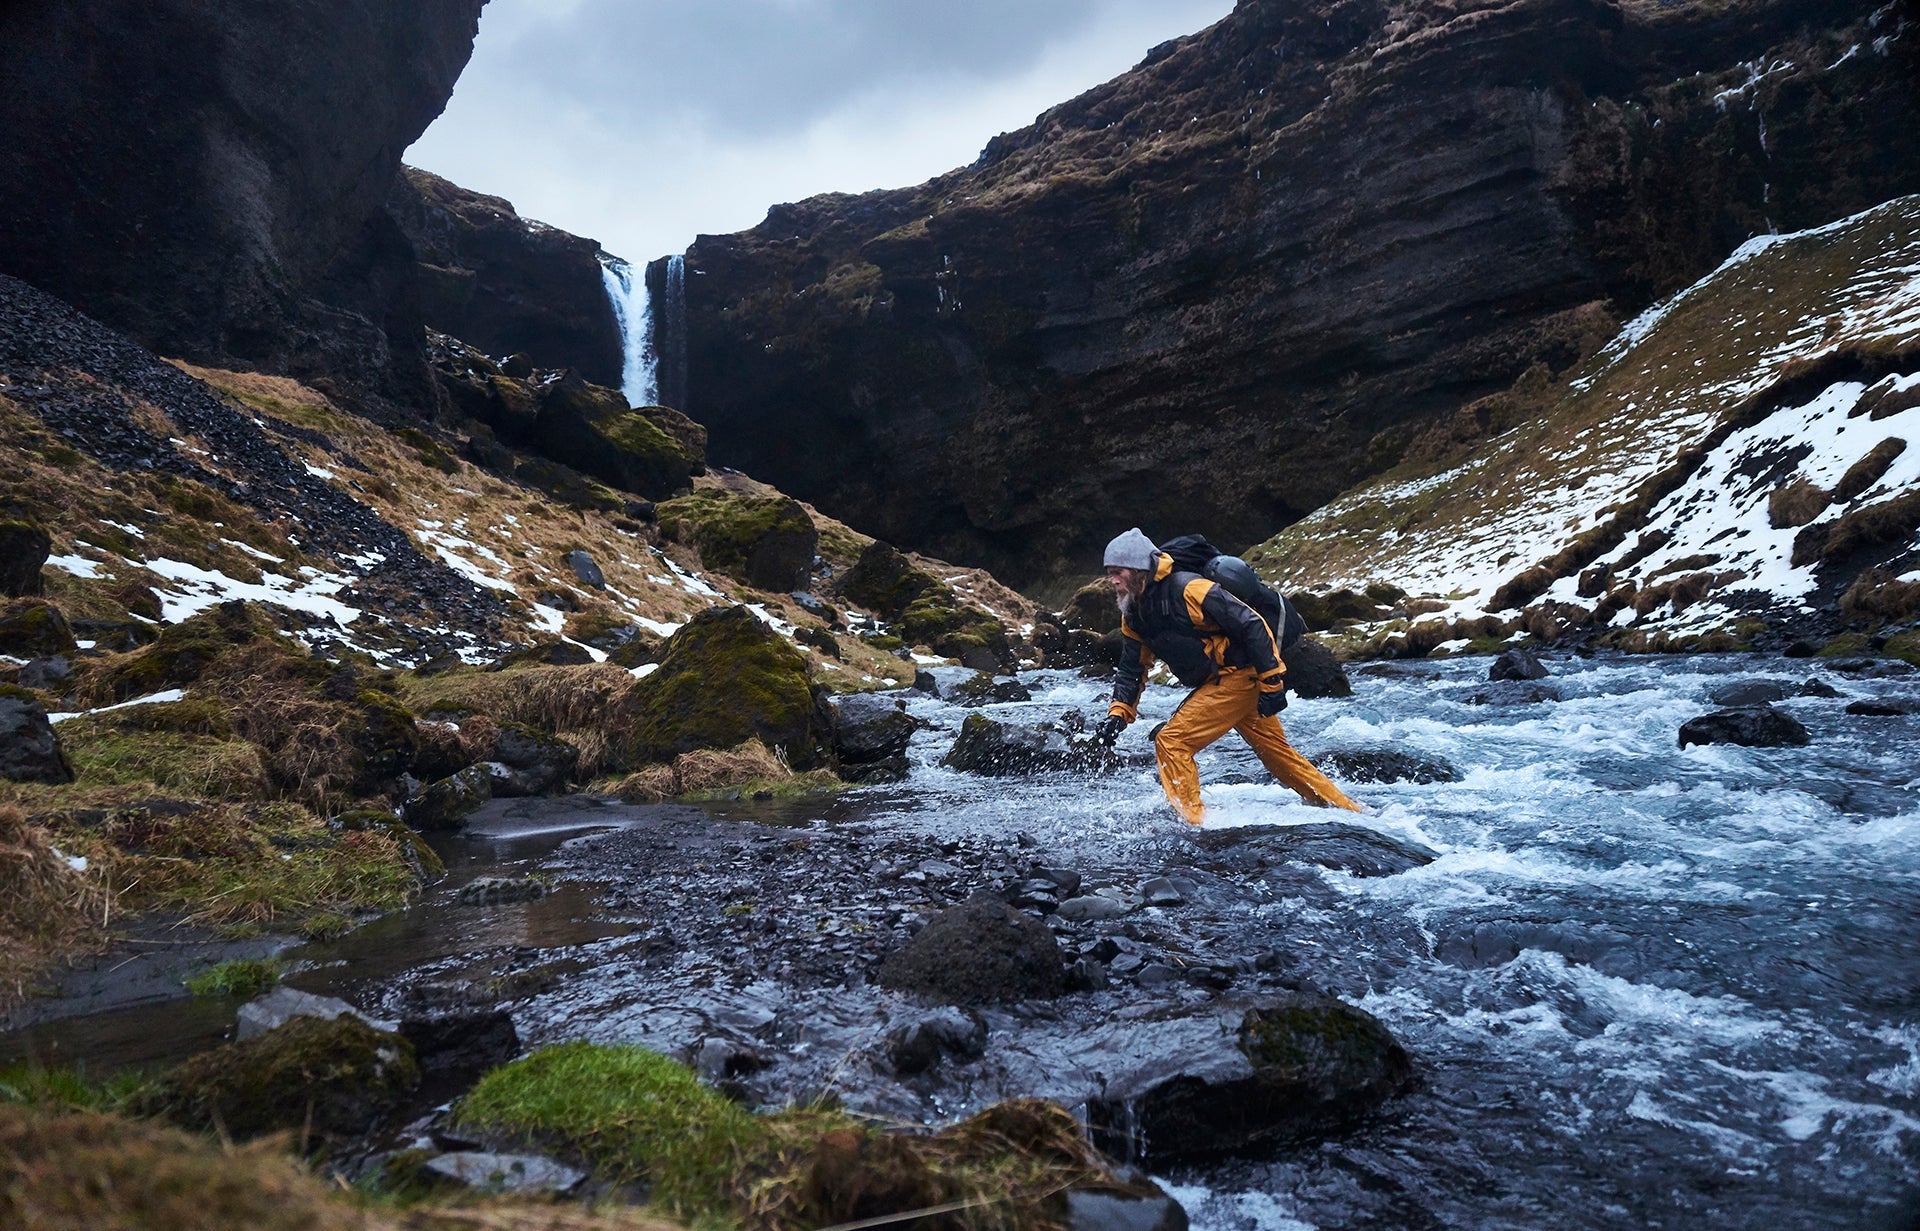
x,y
48,910
1796,504
575,703
84,1171
704,770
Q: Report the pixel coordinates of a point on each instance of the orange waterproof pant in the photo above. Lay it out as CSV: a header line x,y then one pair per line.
x,y
1225,703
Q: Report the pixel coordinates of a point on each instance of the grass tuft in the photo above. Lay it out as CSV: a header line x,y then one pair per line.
x,y
243,977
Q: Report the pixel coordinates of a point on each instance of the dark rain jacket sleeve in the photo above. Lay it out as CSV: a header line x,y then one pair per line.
x,y
1249,633
1135,658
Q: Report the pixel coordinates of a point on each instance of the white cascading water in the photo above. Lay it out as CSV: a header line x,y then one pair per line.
x,y
633,309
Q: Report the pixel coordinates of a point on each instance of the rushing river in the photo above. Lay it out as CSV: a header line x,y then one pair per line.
x,y
1645,986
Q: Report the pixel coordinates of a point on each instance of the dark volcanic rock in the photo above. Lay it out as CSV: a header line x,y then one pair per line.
x,y
33,629
1298,1067
504,284
535,762
1280,248
977,953
1386,765
871,728
23,550
1330,844
212,178
1752,692
997,749
1313,672
1517,664
454,1049
29,749
445,804
1754,726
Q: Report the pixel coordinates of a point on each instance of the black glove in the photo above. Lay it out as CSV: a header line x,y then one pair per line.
x,y
1272,703
1109,730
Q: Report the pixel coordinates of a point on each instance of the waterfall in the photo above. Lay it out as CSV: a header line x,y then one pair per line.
x,y
633,310
672,334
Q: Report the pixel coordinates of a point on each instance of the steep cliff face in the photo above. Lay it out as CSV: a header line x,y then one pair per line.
x,y
1219,290
507,284
211,175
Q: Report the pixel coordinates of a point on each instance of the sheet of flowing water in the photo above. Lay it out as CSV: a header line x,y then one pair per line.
x,y
1647,986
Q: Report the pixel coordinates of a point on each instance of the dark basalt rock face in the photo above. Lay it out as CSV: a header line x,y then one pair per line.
x,y
1257,266
506,284
212,177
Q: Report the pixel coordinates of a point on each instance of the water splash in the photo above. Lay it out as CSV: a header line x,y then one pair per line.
x,y
633,309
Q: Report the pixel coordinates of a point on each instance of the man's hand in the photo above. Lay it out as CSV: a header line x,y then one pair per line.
x,y
1272,703
1109,730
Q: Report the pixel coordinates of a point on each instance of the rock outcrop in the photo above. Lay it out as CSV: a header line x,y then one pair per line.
x,y
1261,263
212,178
507,284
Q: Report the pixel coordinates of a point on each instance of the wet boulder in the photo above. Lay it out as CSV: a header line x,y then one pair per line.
x,y
981,688
1291,1068
977,953
335,1077
267,1013
767,541
30,751
454,1049
1093,608
24,548
920,1044
998,749
651,450
871,728
1751,726
1385,765
1098,1209
1877,709
1313,672
446,804
724,679
528,762
585,570
1749,692
492,1173
32,629
1353,849
1513,692
1517,664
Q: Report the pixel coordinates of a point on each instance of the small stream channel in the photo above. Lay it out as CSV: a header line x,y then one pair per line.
x,y
1645,986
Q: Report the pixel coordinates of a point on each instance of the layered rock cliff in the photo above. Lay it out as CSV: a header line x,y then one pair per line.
x,y
1219,290
212,176
507,284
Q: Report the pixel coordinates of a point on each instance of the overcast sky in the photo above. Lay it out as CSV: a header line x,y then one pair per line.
x,y
642,123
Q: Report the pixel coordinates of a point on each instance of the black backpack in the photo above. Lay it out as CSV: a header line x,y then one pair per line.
x,y
1193,554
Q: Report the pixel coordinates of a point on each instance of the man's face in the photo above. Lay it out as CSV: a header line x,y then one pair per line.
x,y
1126,582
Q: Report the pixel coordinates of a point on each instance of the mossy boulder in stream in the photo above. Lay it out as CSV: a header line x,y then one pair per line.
x,y
978,952
767,541
1293,1068
724,679
333,1077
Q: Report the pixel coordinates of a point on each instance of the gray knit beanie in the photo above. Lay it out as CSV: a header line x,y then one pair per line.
x,y
1131,550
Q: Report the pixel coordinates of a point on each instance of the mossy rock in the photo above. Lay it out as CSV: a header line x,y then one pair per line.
x,y
185,651
385,736
334,1077
34,629
428,450
885,582
1093,607
1847,645
1904,646
953,630
724,679
650,450
24,548
767,541
568,486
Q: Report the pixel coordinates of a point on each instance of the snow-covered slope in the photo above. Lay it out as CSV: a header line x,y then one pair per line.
x,y
1669,490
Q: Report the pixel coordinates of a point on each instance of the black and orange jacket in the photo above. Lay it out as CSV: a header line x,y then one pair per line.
x,y
1197,628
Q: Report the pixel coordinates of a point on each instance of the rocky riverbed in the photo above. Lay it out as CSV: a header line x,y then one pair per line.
x,y
1638,982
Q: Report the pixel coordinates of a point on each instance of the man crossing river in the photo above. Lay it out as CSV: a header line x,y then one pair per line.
x,y
1219,647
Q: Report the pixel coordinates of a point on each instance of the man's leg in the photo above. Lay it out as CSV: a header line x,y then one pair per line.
x,y
1284,762
1210,711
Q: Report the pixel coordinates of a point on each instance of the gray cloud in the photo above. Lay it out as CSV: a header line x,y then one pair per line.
x,y
772,66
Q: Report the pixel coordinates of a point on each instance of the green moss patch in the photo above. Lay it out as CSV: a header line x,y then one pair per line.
x,y
242,977
633,1114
